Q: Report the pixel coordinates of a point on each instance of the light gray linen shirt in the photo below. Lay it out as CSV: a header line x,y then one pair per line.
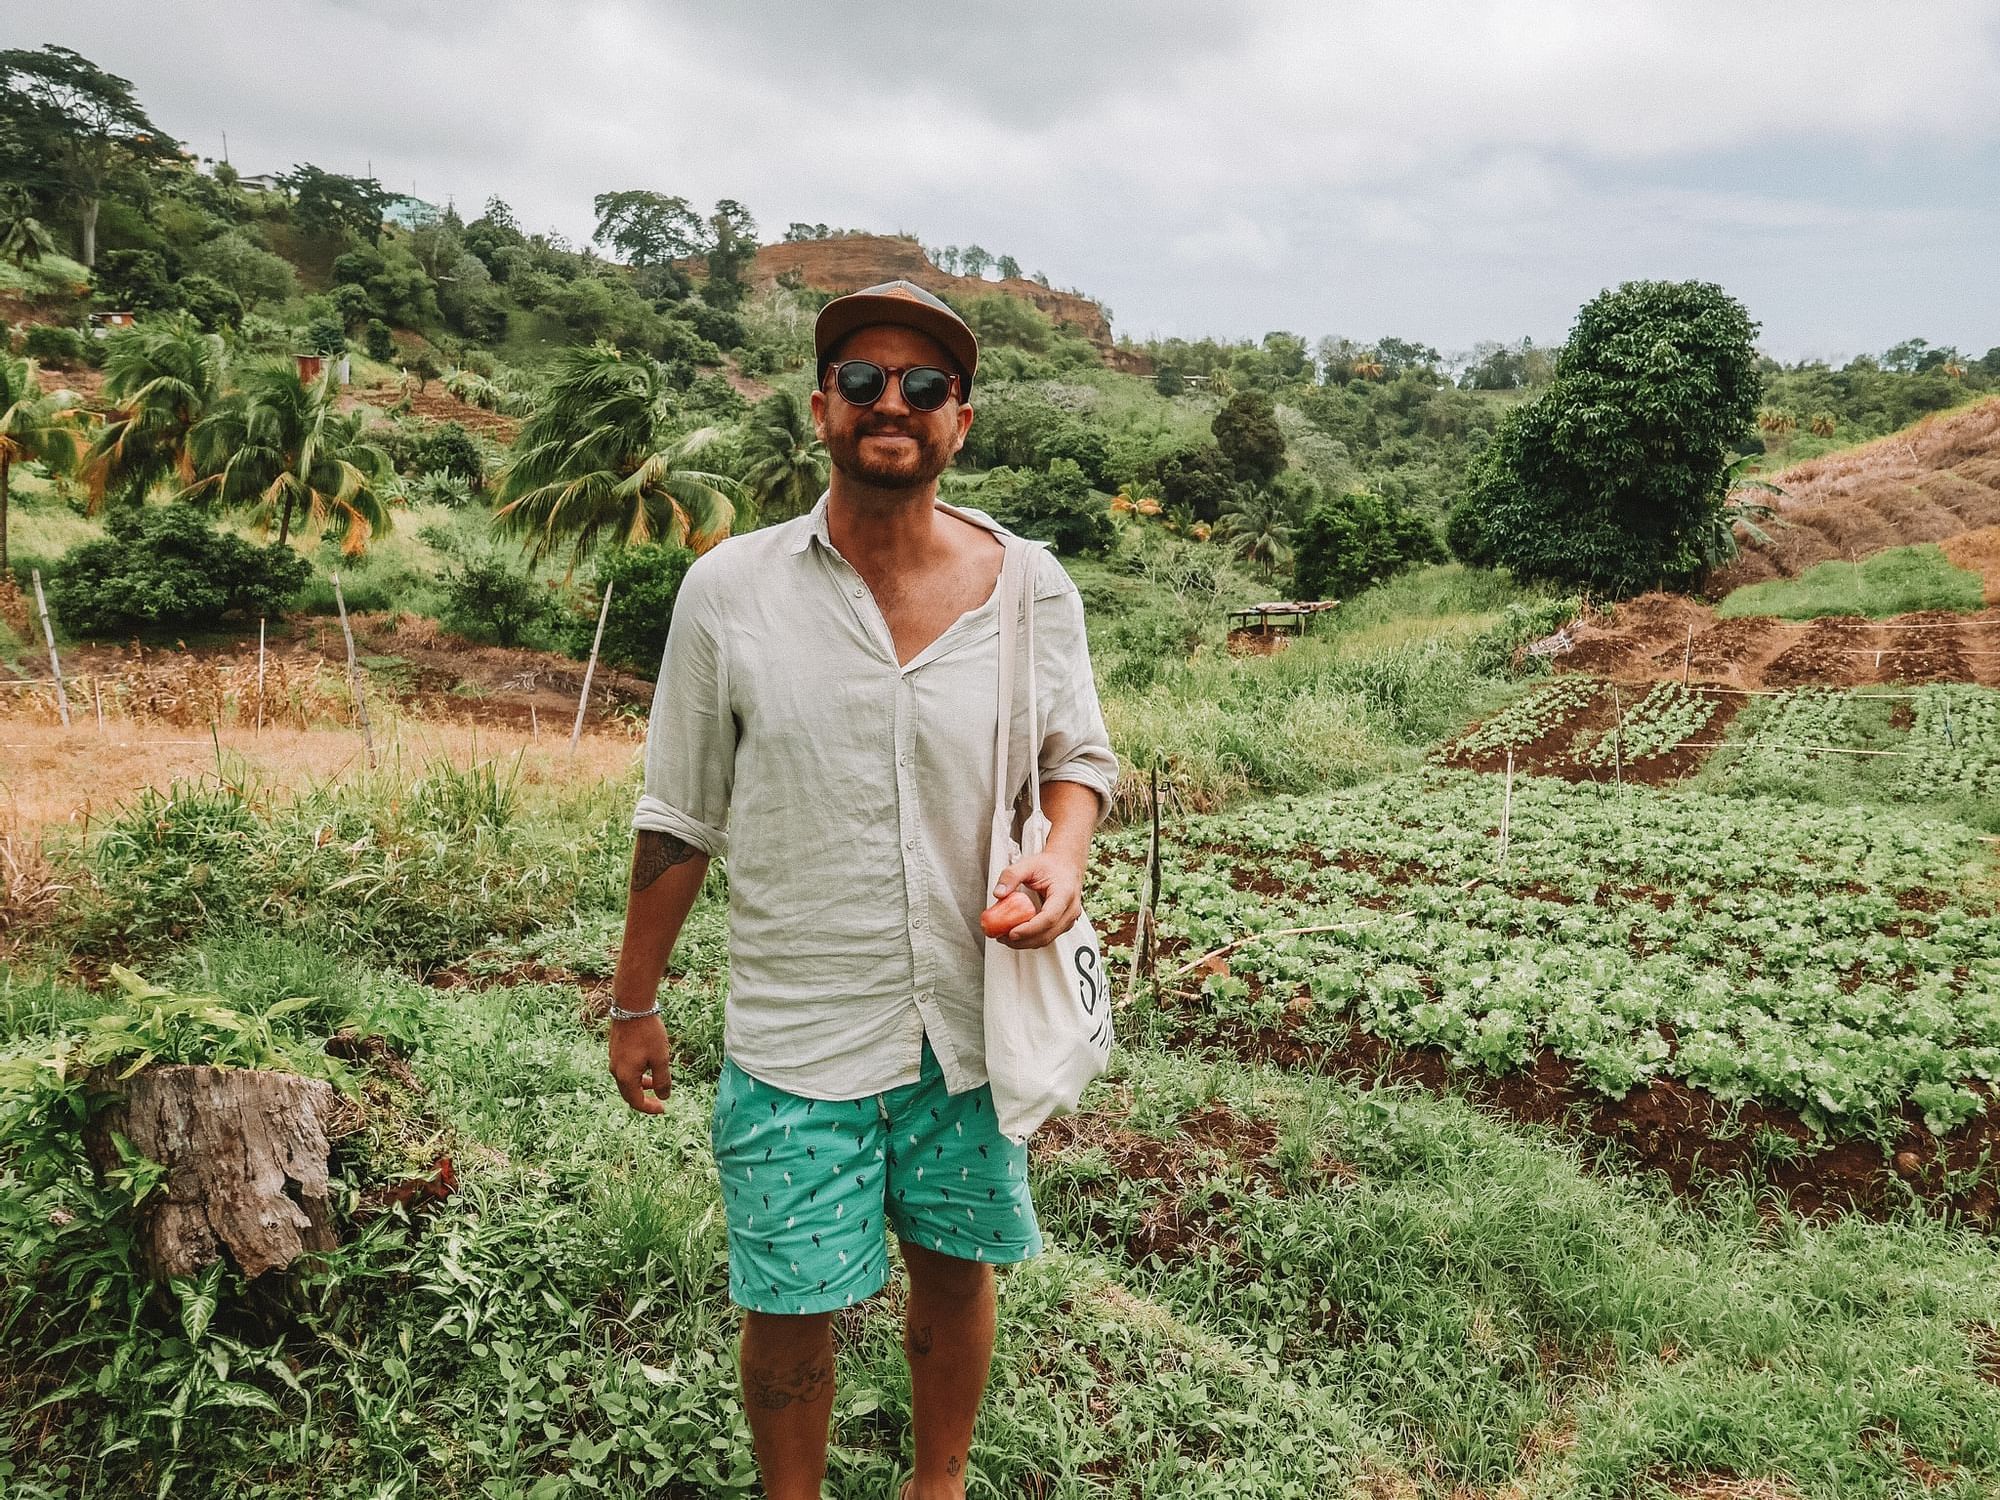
x,y
853,799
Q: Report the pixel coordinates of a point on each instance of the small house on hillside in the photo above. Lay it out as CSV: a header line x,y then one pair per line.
x,y
104,324
263,182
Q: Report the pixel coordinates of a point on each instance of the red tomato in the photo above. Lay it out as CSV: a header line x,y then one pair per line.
x,y
1009,912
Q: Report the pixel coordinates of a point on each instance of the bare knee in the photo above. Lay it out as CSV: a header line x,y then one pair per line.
x,y
946,1277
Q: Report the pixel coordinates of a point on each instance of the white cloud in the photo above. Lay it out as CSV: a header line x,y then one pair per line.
x,y
1449,171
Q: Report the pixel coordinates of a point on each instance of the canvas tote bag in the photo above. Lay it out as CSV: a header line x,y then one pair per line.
x,y
1048,1009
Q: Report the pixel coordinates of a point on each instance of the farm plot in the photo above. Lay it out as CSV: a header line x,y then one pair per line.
x,y
1586,729
1652,733
1534,729
1937,744
1707,977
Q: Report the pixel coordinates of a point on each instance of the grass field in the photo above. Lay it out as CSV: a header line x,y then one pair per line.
x,y
1901,580
1352,1215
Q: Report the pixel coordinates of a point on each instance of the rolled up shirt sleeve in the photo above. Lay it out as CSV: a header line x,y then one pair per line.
x,y
1075,743
691,733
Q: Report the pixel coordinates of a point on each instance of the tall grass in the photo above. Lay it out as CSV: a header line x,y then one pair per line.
x,y
1359,696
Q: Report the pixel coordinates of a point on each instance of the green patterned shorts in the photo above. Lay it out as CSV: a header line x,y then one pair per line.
x,y
811,1186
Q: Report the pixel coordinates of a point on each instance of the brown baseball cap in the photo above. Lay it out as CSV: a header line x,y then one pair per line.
x,y
901,302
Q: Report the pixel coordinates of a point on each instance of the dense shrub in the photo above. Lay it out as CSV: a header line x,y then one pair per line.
x,y
449,449
166,568
53,344
1611,478
1348,542
644,581
377,342
487,599
1054,506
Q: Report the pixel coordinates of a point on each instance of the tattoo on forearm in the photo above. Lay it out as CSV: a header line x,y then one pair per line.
x,y
773,1390
655,854
920,1340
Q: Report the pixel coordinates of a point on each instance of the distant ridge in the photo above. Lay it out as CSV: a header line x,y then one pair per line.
x,y
850,262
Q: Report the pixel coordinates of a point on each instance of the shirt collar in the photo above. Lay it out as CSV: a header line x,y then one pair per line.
x,y
814,528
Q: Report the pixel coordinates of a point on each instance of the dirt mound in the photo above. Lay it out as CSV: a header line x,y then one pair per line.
x,y
1979,552
1660,637
1931,482
850,262
436,404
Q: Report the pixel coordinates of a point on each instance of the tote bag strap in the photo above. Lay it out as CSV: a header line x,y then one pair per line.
x,y
1026,549
1009,596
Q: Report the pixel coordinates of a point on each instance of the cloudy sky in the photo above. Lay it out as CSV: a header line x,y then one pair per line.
x,y
1443,172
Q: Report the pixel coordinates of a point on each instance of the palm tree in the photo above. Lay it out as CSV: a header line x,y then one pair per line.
x,y
600,460
1256,530
160,380
279,445
22,237
34,426
787,459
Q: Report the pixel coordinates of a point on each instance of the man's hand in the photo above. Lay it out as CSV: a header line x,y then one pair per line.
x,y
1057,877
642,1062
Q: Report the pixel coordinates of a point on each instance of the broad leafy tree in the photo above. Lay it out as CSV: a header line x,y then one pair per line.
x,y
1247,432
1350,541
160,379
280,448
604,461
788,462
1612,477
35,426
647,228
1198,480
75,128
732,246
329,205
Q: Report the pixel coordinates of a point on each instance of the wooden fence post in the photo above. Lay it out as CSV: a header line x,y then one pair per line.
x,y
49,635
260,675
1687,657
1507,811
590,667
354,673
1618,738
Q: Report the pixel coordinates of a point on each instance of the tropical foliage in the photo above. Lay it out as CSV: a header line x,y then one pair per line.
x,y
787,463
35,426
604,461
280,448
160,379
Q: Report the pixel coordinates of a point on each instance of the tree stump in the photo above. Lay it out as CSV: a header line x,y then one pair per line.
x,y
246,1157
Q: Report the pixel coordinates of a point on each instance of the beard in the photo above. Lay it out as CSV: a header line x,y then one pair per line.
x,y
905,465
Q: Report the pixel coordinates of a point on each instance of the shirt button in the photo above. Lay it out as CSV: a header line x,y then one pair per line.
x,y
909,843
859,592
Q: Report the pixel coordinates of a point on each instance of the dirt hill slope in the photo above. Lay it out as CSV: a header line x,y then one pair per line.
x,y
1931,482
853,261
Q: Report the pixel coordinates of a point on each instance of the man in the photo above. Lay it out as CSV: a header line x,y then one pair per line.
x,y
828,691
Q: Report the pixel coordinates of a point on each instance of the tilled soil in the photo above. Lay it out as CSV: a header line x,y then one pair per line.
x,y
1661,637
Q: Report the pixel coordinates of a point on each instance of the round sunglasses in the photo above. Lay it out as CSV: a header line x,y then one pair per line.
x,y
861,382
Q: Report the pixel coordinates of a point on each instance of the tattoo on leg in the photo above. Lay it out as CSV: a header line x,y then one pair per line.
x,y
951,1466
772,1390
655,853
920,1340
